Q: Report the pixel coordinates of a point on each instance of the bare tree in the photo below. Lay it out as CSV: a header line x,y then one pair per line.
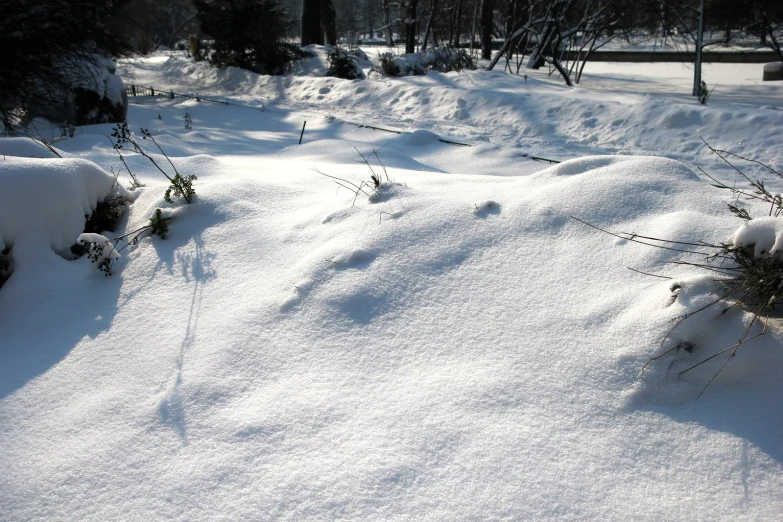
x,y
429,30
562,33
387,23
768,24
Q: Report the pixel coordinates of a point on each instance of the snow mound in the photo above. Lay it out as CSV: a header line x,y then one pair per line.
x,y
43,202
659,166
422,137
24,148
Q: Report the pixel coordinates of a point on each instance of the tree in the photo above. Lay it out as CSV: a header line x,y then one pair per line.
x,y
150,23
247,34
49,49
720,21
487,24
768,24
311,23
387,23
411,21
318,19
428,31
563,33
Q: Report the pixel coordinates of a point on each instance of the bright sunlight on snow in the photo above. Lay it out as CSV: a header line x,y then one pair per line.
x,y
373,325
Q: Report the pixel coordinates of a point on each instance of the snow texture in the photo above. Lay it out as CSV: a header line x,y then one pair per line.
x,y
457,349
24,148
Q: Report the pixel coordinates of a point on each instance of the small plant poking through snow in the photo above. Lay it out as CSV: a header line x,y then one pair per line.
x,y
181,186
484,209
188,120
100,251
704,93
103,251
374,188
748,267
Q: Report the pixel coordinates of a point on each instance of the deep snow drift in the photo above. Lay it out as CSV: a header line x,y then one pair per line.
x,y
456,347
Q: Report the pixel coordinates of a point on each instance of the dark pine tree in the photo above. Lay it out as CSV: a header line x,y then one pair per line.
x,y
247,34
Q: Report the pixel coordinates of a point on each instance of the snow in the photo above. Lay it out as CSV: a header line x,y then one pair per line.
x,y
43,202
24,148
458,348
764,234
539,116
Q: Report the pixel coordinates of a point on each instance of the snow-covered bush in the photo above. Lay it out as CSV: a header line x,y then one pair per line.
x,y
90,92
747,269
442,59
99,95
103,251
50,49
343,64
44,205
388,66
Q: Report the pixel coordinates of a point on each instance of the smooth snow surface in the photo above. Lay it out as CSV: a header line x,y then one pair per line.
x,y
24,148
455,347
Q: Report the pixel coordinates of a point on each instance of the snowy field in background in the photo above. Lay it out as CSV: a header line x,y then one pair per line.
x,y
458,348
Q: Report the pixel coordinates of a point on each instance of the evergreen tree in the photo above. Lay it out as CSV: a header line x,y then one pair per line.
x,y
247,34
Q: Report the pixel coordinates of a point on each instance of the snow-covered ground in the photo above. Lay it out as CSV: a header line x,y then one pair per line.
x,y
455,348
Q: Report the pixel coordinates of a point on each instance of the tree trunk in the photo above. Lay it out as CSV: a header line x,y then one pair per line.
x,y
387,28
410,26
699,45
487,8
537,56
507,45
562,71
456,22
311,23
433,8
328,17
